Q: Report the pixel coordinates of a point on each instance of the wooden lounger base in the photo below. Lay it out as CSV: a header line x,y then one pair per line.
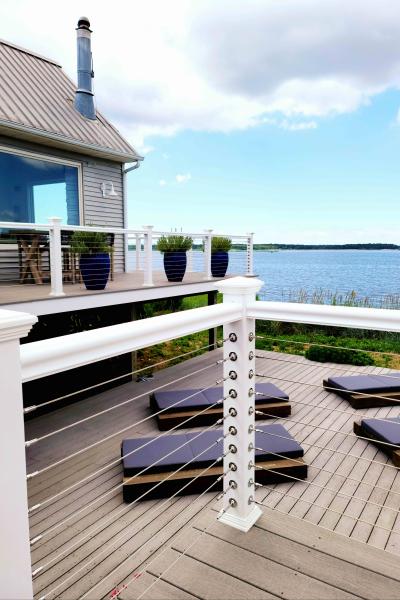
x,y
167,420
272,471
366,400
389,450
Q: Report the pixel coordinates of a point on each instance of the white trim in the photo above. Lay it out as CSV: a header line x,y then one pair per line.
x,y
61,141
243,524
52,159
67,303
44,358
379,319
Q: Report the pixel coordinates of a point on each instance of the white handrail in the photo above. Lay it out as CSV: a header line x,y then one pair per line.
x,y
40,359
379,319
116,230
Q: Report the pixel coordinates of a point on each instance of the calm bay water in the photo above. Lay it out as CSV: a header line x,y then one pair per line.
x,y
369,273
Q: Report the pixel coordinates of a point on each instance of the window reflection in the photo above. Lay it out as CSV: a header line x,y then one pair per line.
x,y
32,190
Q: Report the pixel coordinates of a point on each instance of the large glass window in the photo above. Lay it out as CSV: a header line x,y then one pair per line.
x,y
32,190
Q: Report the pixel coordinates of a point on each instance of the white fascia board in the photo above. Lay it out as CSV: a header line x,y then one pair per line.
x,y
52,305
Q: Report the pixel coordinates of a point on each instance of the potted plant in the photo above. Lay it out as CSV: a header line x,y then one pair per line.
x,y
94,257
174,248
220,247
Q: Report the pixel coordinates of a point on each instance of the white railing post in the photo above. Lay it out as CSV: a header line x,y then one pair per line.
x,y
56,257
138,247
126,253
15,559
249,254
207,254
239,509
148,255
189,268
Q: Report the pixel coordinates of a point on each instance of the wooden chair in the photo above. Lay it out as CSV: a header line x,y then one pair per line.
x,y
31,248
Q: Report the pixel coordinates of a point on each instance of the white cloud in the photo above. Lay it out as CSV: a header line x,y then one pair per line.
x,y
290,125
162,182
221,66
180,178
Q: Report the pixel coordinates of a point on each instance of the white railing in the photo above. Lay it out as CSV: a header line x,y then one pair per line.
x,y
41,253
237,314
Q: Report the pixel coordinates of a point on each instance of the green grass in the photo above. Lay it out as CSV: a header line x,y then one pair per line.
x,y
297,343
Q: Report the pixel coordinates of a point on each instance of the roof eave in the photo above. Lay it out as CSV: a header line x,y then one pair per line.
x,y
31,134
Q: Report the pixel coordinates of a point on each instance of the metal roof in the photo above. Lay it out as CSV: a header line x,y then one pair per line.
x,y
37,103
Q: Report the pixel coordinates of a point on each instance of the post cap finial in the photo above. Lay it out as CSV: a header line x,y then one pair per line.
x,y
240,285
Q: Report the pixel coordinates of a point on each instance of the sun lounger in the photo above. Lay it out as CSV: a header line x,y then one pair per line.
x,y
161,459
178,405
367,391
384,433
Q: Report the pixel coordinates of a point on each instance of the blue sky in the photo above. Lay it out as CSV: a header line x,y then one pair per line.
x,y
336,183
273,116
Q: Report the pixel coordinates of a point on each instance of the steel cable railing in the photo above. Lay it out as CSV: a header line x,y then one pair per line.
x,y
89,418
333,450
120,538
321,407
160,387
32,408
298,343
128,507
183,553
322,487
329,388
118,460
217,497
312,503
342,369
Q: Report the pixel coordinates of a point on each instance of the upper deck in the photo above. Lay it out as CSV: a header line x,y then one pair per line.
x,y
40,271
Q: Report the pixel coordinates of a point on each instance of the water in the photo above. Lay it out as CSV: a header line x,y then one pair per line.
x,y
370,273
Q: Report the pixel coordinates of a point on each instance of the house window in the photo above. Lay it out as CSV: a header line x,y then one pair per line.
x,y
34,189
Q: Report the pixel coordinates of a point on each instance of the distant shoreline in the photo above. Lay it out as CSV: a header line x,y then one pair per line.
x,y
272,247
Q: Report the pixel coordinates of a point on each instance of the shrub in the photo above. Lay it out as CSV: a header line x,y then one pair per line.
x,y
220,244
339,355
174,243
89,242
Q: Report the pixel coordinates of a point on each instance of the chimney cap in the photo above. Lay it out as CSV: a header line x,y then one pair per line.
x,y
84,23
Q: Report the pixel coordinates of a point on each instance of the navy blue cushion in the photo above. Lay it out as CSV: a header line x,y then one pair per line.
x,y
156,451
176,400
368,384
279,441
387,430
201,449
270,393
189,399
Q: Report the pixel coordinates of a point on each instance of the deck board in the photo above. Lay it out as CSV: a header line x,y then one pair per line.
x,y
273,560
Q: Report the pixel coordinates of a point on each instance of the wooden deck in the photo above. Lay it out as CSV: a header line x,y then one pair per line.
x,y
15,292
104,544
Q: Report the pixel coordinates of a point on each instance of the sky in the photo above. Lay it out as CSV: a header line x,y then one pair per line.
x,y
279,117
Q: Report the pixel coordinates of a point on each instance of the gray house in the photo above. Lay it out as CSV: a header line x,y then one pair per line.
x,y
58,154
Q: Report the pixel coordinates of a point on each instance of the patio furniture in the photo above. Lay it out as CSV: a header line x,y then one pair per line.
x,y
178,405
161,458
31,247
384,433
366,391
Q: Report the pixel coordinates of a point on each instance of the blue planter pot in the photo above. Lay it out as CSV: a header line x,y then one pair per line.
x,y
95,269
219,263
175,265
